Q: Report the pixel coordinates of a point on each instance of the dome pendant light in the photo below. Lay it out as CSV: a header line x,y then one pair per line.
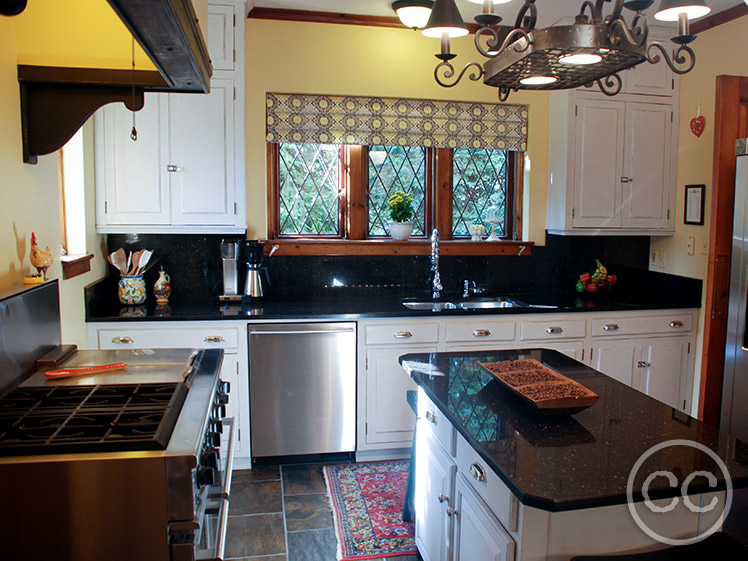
x,y
413,13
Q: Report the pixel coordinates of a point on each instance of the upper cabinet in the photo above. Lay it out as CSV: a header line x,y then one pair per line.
x,y
186,171
612,160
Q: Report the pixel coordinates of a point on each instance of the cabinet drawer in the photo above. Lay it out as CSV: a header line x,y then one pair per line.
x,y
669,323
553,329
429,416
487,484
480,331
402,333
163,338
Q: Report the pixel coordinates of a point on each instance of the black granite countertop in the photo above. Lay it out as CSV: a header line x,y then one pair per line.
x,y
578,461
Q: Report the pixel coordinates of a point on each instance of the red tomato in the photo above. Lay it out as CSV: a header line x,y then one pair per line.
x,y
586,278
592,287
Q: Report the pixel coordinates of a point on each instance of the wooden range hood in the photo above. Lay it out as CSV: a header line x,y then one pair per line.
x,y
56,101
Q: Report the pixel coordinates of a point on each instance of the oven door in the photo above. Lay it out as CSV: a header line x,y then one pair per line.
x,y
204,538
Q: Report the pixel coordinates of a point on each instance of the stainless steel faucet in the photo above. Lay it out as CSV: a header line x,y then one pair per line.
x,y
436,285
467,285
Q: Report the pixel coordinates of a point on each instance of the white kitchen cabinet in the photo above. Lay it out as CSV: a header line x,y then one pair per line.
x,y
611,164
434,488
186,171
226,335
616,358
478,534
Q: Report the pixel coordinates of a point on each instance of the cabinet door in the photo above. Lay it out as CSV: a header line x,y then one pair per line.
x,y
646,187
389,419
478,534
616,358
598,163
665,366
230,374
201,156
434,482
131,185
221,36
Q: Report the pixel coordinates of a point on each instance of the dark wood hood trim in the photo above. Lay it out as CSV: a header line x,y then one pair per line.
x,y
55,102
169,33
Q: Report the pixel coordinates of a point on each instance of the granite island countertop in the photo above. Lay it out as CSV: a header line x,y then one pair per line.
x,y
578,461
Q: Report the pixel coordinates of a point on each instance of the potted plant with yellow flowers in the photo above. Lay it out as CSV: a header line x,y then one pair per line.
x,y
400,205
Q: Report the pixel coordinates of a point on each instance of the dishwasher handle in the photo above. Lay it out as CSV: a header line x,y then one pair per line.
x,y
302,332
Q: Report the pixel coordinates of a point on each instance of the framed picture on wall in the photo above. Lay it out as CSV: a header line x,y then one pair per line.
x,y
694,212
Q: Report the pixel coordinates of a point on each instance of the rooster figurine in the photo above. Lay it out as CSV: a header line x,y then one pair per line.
x,y
40,259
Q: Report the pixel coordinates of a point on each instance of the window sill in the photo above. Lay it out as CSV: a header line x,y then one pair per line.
x,y
390,247
74,265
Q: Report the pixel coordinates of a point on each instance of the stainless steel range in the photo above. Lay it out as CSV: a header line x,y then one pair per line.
x,y
126,465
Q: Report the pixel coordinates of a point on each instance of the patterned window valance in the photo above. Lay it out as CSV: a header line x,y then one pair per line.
x,y
328,119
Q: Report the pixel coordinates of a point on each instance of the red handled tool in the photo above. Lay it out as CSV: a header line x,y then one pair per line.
x,y
54,374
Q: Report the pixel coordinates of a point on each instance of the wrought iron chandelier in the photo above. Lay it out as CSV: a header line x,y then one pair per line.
x,y
594,49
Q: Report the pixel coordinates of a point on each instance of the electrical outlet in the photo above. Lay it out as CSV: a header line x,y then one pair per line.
x,y
653,258
690,245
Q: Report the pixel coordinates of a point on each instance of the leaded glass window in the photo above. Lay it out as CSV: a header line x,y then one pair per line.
x,y
479,180
393,168
310,189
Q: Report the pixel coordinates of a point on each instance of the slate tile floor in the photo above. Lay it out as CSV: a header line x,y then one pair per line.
x,y
282,513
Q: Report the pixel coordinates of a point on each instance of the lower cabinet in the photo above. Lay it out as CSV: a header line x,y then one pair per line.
x,y
478,534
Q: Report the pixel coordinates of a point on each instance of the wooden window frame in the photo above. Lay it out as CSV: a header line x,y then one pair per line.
x,y
354,214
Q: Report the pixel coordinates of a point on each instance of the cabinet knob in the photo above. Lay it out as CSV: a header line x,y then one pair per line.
x,y
554,330
403,334
481,333
214,339
676,324
172,168
451,511
643,364
121,340
431,417
442,498
477,471
627,180
610,327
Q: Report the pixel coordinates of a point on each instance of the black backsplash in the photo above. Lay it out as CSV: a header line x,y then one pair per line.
x,y
194,263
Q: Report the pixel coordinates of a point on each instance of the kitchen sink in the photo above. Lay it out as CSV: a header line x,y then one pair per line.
x,y
433,306
473,304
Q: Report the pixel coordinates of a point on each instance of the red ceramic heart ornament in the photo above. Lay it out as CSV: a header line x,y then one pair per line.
x,y
697,125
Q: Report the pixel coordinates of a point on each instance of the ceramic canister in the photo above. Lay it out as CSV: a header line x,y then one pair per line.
x,y
131,289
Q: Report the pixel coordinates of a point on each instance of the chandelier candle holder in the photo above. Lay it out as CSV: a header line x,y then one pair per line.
x,y
593,50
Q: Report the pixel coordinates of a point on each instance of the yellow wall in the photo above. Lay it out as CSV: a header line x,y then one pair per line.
x,y
30,201
83,33
366,61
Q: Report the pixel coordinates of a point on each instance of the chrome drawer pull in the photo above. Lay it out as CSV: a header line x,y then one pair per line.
x,y
676,324
642,364
171,168
610,327
481,333
441,498
214,339
431,417
121,340
403,335
552,330
478,473
451,511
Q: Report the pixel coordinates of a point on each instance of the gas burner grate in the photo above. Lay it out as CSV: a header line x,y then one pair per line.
x,y
89,418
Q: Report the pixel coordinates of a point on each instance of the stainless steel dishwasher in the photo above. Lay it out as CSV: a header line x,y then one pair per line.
x,y
302,385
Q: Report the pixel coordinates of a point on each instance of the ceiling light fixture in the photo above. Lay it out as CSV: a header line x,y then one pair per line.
x,y
594,49
413,13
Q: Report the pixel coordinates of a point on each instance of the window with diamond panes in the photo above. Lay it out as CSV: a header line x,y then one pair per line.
x,y
395,168
479,179
309,189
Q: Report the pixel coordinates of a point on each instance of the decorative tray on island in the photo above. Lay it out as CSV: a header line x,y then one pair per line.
x,y
550,391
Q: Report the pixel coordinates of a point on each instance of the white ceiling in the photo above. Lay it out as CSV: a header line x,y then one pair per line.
x,y
549,11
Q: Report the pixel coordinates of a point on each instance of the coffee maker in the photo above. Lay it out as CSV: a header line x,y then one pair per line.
x,y
230,270
252,253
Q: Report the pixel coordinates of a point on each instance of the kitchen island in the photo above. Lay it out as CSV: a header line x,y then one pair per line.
x,y
496,479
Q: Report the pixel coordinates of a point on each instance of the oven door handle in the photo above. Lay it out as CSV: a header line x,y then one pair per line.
x,y
226,491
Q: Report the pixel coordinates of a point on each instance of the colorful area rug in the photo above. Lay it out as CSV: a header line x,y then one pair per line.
x,y
367,502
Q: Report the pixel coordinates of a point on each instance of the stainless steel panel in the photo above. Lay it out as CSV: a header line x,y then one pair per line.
x,y
29,327
302,380
735,386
